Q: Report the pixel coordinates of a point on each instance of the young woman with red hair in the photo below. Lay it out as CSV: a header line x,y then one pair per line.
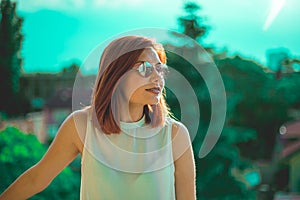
x,y
130,146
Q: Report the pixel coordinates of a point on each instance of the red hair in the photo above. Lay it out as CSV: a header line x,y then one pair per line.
x,y
118,58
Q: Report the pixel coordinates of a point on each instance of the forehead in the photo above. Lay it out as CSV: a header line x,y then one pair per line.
x,y
149,54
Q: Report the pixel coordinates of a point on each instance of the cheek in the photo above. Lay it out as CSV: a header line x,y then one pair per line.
x,y
136,96
132,86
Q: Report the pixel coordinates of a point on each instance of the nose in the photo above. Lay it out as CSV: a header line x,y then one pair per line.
x,y
156,77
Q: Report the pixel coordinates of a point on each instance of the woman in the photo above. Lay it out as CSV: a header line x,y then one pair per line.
x,y
130,147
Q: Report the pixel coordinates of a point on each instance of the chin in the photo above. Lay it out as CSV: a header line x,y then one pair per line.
x,y
154,101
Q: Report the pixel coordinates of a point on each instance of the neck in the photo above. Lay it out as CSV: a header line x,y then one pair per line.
x,y
133,114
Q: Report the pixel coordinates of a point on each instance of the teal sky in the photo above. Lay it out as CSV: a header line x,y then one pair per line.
x,y
58,32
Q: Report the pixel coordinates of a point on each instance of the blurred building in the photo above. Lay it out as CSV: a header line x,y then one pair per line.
x,y
39,87
57,108
275,57
287,160
280,61
290,154
50,95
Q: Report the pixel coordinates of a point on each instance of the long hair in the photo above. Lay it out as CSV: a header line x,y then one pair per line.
x,y
118,58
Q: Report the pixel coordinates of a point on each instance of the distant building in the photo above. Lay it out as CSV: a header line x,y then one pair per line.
x,y
57,108
38,87
51,98
280,61
275,58
289,154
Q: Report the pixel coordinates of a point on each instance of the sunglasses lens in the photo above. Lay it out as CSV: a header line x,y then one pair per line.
x,y
162,69
148,69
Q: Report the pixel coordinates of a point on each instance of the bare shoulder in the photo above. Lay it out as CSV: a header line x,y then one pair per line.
x,y
76,120
80,116
179,129
75,127
180,139
183,158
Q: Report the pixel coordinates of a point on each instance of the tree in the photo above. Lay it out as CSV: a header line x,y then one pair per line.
x,y
193,24
10,60
222,173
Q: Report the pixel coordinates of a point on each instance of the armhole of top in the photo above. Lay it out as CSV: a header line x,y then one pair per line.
x,y
170,123
179,141
81,119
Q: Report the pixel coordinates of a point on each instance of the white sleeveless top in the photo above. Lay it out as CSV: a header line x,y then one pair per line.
x,y
136,164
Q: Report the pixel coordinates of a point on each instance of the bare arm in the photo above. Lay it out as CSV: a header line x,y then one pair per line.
x,y
184,163
60,153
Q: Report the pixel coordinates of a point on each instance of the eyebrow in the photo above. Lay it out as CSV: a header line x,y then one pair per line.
x,y
139,61
142,61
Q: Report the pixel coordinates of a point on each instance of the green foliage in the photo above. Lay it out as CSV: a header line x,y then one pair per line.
x,y
257,105
259,101
18,152
193,24
215,179
10,61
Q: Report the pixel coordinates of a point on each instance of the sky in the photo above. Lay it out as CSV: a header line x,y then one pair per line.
x,y
59,32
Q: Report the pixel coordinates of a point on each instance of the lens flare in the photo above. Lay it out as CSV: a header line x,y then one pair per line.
x,y
276,7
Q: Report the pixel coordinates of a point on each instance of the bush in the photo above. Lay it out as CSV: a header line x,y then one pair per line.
x,y
19,151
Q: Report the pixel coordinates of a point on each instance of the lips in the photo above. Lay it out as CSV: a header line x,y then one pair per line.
x,y
154,90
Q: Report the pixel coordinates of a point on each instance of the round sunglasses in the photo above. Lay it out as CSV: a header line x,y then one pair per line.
x,y
146,69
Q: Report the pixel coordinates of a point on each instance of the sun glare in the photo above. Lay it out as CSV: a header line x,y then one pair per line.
x,y
276,7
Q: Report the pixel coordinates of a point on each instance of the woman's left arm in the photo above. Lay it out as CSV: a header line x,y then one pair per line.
x,y
185,184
